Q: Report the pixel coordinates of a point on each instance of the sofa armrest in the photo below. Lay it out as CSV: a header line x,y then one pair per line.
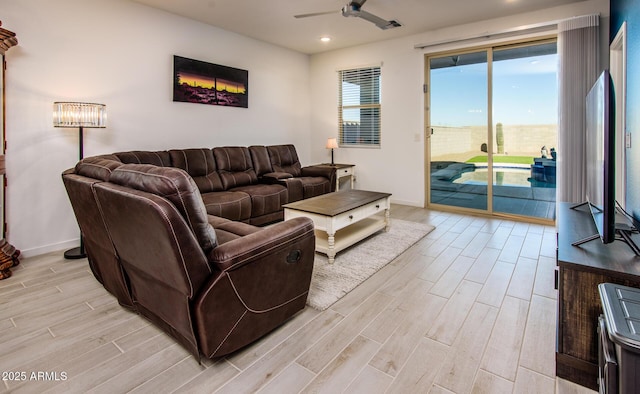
x,y
326,171
259,245
295,191
276,176
265,280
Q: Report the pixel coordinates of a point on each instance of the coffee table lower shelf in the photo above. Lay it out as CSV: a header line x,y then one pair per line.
x,y
349,235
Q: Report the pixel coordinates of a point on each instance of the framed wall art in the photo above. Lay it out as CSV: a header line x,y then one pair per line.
x,y
195,81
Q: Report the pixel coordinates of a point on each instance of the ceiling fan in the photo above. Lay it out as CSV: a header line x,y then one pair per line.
x,y
354,8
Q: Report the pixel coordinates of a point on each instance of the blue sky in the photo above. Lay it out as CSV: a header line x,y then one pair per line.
x,y
525,92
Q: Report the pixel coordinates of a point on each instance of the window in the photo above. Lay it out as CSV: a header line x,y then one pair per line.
x,y
359,106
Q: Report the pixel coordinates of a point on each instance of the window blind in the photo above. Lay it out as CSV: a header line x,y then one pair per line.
x,y
359,106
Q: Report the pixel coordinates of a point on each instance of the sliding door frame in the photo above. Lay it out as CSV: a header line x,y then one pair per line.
x,y
489,48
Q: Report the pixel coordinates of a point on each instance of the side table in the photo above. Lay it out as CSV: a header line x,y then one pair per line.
x,y
343,171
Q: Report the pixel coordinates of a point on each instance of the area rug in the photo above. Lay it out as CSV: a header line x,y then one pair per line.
x,y
354,265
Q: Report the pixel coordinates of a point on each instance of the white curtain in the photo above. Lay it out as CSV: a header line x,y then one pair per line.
x,y
579,50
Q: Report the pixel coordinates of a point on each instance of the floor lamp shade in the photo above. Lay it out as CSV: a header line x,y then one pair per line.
x,y
80,115
69,114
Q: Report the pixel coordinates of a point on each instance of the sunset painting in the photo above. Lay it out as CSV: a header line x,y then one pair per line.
x,y
200,82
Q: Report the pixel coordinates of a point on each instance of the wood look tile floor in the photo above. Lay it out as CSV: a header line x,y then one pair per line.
x,y
471,308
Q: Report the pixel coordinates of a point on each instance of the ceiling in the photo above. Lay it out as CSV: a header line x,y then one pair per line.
x,y
273,20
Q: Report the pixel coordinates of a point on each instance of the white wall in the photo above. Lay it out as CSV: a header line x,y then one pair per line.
x,y
120,53
398,166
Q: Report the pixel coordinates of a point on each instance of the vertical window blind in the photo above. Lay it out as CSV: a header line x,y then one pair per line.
x,y
359,106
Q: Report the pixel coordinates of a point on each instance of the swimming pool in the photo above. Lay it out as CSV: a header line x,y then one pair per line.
x,y
502,176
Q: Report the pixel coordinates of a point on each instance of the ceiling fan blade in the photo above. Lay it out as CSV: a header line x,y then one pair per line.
x,y
315,14
359,3
381,23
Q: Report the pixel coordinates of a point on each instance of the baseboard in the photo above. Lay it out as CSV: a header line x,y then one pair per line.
x,y
61,247
408,203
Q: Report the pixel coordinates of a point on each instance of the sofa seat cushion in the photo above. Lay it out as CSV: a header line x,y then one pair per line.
x,y
217,221
315,186
232,205
226,236
238,228
228,230
265,199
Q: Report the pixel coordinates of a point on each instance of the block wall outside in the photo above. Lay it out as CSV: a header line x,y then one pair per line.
x,y
519,140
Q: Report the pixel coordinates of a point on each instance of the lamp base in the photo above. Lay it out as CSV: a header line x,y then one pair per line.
x,y
75,253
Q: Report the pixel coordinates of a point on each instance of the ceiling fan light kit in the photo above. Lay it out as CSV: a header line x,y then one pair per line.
x,y
354,9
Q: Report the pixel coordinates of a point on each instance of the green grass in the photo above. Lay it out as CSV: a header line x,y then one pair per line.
x,y
503,159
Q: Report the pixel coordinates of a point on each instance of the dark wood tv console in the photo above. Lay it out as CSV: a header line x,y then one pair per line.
x,y
580,270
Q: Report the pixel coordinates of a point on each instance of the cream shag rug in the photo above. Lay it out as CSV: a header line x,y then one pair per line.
x,y
354,265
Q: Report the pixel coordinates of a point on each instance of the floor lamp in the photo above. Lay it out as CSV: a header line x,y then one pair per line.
x,y
80,115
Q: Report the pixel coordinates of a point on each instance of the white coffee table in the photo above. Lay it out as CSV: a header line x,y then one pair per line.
x,y
343,218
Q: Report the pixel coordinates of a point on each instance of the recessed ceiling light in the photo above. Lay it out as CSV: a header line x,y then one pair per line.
x,y
325,39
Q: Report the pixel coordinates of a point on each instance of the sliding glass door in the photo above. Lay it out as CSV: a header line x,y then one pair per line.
x,y
458,130
492,130
525,116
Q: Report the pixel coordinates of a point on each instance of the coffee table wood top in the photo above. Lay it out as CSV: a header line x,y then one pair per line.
x,y
333,204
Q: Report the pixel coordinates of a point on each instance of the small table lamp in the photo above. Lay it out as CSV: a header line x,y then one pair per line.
x,y
332,144
80,115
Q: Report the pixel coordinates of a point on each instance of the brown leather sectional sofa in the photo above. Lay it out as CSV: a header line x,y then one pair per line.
x,y
172,236
246,184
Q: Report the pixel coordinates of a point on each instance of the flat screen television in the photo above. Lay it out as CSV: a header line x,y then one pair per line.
x,y
600,159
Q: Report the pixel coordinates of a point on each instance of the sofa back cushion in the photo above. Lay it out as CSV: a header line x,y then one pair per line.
x,y
157,158
98,167
200,164
261,160
175,185
235,166
284,158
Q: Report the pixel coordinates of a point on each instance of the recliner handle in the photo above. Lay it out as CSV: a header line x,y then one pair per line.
x,y
294,256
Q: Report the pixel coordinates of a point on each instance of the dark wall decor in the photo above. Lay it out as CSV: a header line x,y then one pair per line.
x,y
195,81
